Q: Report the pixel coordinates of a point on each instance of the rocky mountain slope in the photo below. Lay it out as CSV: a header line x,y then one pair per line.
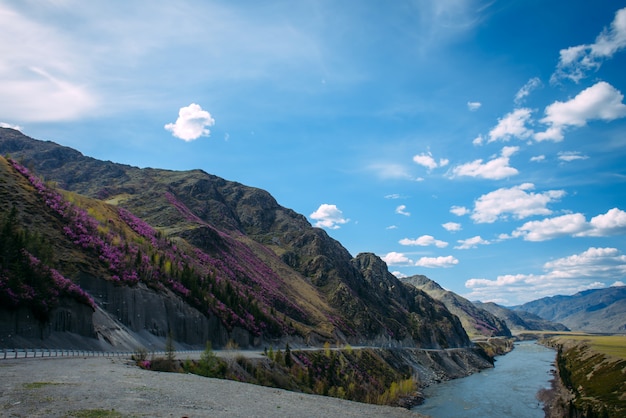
x,y
190,254
518,320
476,321
596,310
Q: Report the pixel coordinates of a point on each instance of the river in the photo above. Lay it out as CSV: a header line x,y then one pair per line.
x,y
507,390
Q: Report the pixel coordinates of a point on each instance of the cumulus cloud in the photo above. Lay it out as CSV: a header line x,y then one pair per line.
x,y
495,169
328,216
401,210
436,262
192,123
601,101
526,89
538,158
459,210
613,222
576,61
512,125
518,201
424,241
466,244
564,276
569,156
429,162
396,259
473,106
452,226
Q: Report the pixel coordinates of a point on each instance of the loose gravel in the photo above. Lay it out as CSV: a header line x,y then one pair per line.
x,y
115,387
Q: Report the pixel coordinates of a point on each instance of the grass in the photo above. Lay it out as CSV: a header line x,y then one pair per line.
x,y
38,385
609,345
95,413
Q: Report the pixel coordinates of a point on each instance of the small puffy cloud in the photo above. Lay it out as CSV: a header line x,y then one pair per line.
x,y
192,123
601,101
328,216
618,283
424,241
452,226
613,222
538,158
473,106
526,89
495,169
576,61
562,276
399,274
466,244
401,210
8,125
429,162
459,210
512,125
396,259
392,227
436,262
569,156
518,201
393,196
478,140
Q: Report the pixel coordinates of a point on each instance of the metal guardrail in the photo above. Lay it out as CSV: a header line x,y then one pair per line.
x,y
22,353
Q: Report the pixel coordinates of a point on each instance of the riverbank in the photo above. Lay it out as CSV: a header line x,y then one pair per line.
x,y
115,387
588,377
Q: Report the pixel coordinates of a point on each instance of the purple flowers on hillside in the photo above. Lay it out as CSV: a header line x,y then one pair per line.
x,y
232,282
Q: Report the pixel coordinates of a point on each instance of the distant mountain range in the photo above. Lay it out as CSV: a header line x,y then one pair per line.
x,y
518,320
596,310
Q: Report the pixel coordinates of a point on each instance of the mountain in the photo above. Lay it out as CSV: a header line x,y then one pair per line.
x,y
518,320
596,310
476,321
156,252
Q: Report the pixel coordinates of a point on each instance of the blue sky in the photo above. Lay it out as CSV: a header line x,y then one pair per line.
x,y
481,143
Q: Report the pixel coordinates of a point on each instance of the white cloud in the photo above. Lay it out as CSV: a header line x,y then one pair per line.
x,y
401,210
550,228
391,171
393,196
44,78
392,227
517,201
459,210
452,226
478,140
10,126
618,283
613,222
424,241
569,156
328,216
495,169
429,162
473,106
538,158
399,274
601,101
396,259
526,89
563,276
435,262
512,125
466,244
192,123
576,61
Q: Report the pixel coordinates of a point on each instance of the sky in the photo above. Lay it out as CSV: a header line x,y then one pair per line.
x,y
479,143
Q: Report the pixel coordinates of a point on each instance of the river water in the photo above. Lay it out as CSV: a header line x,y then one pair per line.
x,y
507,390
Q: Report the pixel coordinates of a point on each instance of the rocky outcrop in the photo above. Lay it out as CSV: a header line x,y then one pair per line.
x,y
475,320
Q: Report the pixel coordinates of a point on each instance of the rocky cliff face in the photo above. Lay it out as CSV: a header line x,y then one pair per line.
x,y
476,321
231,263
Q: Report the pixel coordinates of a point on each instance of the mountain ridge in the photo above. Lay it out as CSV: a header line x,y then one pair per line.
x,y
330,295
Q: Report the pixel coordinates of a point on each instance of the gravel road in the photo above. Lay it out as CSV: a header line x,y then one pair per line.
x,y
89,387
